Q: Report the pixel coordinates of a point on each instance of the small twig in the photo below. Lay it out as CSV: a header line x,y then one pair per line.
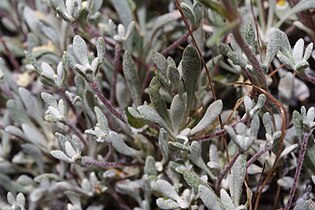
x,y
110,108
257,155
117,65
298,170
175,44
75,130
226,169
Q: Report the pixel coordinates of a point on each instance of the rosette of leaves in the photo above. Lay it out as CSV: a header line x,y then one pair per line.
x,y
180,84
79,60
16,203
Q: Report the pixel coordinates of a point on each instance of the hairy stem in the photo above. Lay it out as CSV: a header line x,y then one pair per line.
x,y
75,130
257,155
110,108
298,170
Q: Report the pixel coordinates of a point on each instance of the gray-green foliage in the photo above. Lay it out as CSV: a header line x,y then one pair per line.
x,y
109,105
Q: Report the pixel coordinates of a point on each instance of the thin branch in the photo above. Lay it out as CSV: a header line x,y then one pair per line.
x,y
110,108
175,44
104,165
75,130
257,155
298,170
226,169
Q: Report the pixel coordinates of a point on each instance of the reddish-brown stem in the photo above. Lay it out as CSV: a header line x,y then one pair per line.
x,y
75,130
257,155
110,108
117,65
175,44
298,170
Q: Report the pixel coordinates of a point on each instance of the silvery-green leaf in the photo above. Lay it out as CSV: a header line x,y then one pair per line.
x,y
189,13
249,35
226,200
198,9
157,101
178,146
166,189
130,30
248,103
195,157
209,198
163,145
37,194
166,203
213,111
177,112
274,45
191,68
123,10
298,50
101,119
100,47
283,59
47,70
132,79
237,178
286,182
35,152
230,131
149,167
148,113
260,103
49,32
192,179
121,147
69,150
17,112
310,115
49,99
254,126
268,123
61,156
10,198
64,186
15,131
298,124
80,50
20,199
160,62
35,137
308,51
285,87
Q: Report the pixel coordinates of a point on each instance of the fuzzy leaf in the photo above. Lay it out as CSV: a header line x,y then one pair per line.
x,y
236,179
195,157
61,156
209,198
166,203
101,119
191,68
148,113
121,147
226,200
274,45
298,124
163,145
189,13
166,189
80,50
149,166
100,47
211,114
160,62
123,10
308,51
132,79
298,50
177,112
193,180
157,101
